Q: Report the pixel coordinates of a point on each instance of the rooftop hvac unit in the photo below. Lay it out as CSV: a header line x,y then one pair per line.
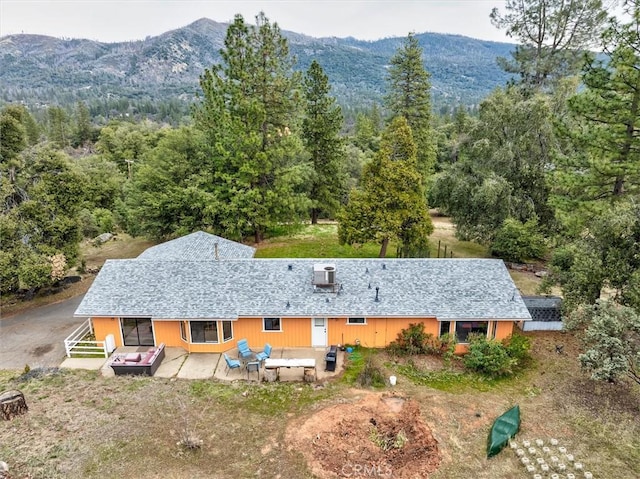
x,y
324,274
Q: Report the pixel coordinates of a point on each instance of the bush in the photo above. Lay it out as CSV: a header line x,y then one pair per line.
x,y
371,375
488,357
518,347
412,340
497,358
516,241
104,219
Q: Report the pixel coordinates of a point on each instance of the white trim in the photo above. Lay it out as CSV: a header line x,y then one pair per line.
x,y
279,318
356,324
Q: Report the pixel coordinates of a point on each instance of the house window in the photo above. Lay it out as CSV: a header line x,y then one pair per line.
x,y
272,324
356,321
183,330
204,332
227,331
445,328
465,328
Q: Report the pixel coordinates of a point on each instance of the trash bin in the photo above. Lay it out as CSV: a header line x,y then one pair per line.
x,y
331,358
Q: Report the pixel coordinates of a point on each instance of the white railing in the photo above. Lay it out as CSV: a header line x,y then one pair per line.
x,y
75,342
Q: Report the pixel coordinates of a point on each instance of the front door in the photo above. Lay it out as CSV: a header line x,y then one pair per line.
x,y
318,332
137,331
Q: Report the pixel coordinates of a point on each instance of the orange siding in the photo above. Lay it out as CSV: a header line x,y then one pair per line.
x,y
296,332
504,329
377,333
168,332
102,327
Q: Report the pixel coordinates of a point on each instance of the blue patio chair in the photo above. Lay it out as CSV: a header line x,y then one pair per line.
x,y
243,349
231,363
261,356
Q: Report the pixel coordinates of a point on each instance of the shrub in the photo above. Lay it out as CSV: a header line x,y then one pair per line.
x,y
497,358
518,347
516,241
488,357
412,340
104,220
371,375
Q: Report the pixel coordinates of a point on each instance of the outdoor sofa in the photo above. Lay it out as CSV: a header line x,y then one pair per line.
x,y
138,364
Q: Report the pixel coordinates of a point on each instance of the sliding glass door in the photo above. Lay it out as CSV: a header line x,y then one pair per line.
x,y
137,331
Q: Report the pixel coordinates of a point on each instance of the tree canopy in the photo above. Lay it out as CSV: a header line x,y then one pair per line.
x,y
249,112
390,203
321,128
553,36
409,96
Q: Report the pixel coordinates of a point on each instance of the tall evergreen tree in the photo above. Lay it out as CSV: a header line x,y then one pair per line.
x,y
604,125
553,36
83,130
390,204
321,135
249,111
58,126
409,95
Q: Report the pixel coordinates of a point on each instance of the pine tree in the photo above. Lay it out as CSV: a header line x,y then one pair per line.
x,y
321,135
604,125
390,204
553,36
409,96
83,131
249,112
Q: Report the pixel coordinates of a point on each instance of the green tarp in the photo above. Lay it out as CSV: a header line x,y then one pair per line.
x,y
503,429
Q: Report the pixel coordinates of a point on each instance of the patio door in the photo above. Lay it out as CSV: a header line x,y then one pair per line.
x,y
318,332
137,331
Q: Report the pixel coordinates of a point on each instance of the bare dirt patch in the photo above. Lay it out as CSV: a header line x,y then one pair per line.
x,y
380,433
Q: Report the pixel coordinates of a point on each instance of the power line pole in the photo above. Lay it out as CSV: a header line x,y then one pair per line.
x,y
129,167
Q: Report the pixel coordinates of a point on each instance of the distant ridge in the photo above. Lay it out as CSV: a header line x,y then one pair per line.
x,y
137,77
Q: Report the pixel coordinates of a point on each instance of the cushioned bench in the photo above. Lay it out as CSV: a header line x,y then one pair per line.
x,y
137,364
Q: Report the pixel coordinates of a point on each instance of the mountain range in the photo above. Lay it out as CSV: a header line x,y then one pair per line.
x,y
138,77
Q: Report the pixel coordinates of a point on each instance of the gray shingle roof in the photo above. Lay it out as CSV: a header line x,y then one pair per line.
x,y
444,288
198,246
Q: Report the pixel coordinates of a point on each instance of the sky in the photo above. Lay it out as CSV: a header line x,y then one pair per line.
x,y
123,20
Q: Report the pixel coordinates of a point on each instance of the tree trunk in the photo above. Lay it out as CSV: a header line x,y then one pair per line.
x,y
314,216
12,404
618,186
258,235
383,248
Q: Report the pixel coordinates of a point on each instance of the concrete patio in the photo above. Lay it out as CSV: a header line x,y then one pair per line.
x,y
182,365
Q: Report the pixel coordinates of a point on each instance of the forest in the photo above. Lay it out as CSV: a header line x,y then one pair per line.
x,y
546,168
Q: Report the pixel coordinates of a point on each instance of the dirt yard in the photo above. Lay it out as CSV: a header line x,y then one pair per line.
x,y
380,434
82,425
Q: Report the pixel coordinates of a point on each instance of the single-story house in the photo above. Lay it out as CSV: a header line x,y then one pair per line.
x,y
203,293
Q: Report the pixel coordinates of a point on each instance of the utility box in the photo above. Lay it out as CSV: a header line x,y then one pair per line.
x,y
331,358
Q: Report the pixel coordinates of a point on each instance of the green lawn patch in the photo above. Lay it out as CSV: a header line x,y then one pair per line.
x,y
317,241
446,380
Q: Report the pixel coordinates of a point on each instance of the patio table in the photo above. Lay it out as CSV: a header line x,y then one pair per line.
x,y
277,363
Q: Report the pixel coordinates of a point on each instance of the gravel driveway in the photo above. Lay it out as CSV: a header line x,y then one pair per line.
x,y
37,337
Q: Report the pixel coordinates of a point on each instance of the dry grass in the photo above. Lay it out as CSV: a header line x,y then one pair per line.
x,y
81,425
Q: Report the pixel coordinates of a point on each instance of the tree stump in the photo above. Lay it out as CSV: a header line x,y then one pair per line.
x,y
309,375
12,404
